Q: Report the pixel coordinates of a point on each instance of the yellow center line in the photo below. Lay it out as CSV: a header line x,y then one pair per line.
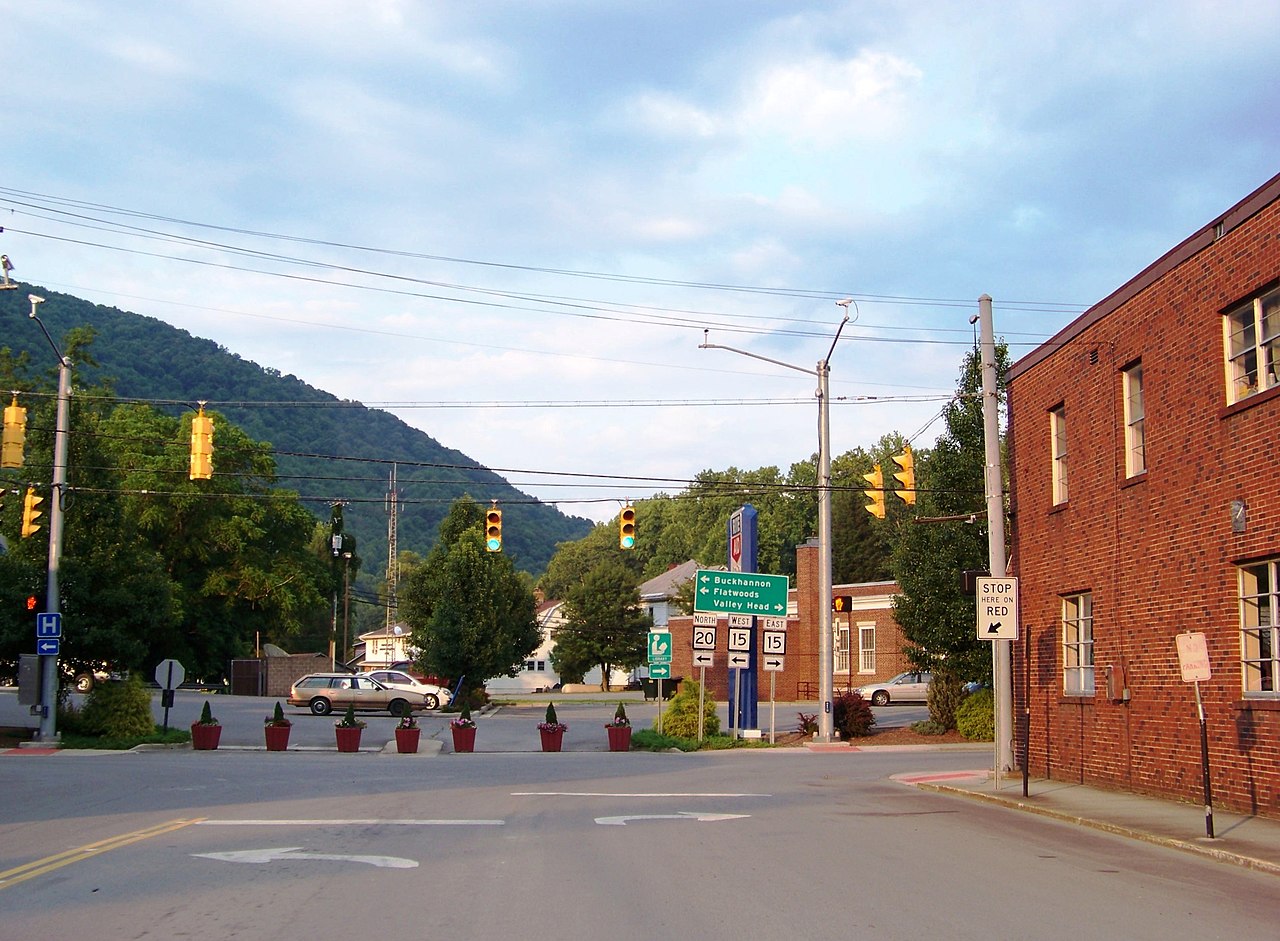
x,y
39,867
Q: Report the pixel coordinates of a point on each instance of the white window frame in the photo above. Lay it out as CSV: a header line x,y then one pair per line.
x,y
1135,418
1251,346
1058,452
867,647
1260,629
841,662
1077,644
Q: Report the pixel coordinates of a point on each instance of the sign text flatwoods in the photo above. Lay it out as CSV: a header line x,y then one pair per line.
x,y
741,593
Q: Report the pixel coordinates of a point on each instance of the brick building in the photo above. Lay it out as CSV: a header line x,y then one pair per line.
x,y
868,624
1144,467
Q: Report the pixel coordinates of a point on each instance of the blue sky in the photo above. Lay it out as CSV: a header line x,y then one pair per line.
x,y
495,213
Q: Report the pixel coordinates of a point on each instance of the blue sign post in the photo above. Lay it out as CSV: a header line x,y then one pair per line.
x,y
742,558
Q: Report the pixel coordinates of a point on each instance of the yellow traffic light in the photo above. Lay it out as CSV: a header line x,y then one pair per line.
x,y
15,435
201,446
30,513
493,529
907,476
876,479
627,527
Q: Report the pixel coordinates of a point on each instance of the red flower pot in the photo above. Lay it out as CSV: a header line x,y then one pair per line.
x,y
551,740
464,739
205,737
277,737
348,739
619,737
407,741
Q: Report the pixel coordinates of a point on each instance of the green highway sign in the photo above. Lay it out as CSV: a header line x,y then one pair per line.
x,y
659,671
659,646
741,593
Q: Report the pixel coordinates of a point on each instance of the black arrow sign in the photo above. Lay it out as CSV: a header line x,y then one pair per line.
x,y
773,663
994,628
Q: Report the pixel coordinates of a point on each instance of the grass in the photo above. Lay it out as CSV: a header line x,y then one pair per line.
x,y
159,737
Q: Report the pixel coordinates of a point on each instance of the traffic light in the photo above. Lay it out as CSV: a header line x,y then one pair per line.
x,y
907,476
201,446
29,512
876,479
842,603
15,435
31,602
627,527
493,529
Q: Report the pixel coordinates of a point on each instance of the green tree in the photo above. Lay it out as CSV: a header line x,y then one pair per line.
x,y
604,624
469,612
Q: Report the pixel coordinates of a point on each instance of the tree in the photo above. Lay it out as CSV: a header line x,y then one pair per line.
x,y
469,612
604,624
936,615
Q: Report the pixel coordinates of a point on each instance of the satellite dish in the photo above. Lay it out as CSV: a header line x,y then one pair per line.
x,y
397,630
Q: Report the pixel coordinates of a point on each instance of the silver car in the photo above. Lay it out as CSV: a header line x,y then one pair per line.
x,y
435,696
905,687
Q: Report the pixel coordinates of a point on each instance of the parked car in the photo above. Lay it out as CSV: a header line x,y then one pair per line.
x,y
905,687
324,692
437,696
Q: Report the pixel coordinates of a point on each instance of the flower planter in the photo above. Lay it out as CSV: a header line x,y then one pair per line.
x,y
348,738
277,736
464,739
619,737
407,741
205,737
551,740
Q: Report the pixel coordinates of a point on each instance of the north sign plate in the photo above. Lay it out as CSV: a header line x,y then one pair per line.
x,y
741,593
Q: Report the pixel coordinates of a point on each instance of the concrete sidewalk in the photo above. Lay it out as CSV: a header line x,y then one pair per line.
x,y
1241,839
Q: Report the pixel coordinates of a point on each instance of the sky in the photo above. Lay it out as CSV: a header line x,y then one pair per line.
x,y
512,224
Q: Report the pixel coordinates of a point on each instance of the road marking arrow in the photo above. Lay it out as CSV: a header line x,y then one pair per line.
x,y
683,815
285,853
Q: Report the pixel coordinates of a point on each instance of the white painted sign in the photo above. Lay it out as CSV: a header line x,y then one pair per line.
x,y
704,658
290,853
739,661
997,608
1193,657
704,638
683,815
739,639
740,620
773,642
774,664
705,620
773,624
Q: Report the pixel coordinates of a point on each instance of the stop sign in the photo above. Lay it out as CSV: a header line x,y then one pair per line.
x,y
170,674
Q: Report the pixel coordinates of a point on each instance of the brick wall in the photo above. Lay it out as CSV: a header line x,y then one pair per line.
x,y
1156,551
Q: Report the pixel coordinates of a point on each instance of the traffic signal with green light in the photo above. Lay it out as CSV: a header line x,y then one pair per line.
x,y
493,529
15,435
906,476
30,513
876,479
201,446
627,527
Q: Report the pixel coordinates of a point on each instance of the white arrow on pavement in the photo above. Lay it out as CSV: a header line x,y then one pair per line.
x,y
286,853
683,815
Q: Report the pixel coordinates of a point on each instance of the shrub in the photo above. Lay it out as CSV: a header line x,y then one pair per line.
x,y
852,716
946,692
680,718
929,727
807,723
119,709
976,717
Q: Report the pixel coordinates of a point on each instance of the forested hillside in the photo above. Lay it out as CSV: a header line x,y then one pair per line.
x,y
326,449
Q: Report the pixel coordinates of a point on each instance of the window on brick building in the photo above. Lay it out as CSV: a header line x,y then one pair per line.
x,y
1135,416
1077,644
866,648
841,660
1259,606
1058,452
1252,342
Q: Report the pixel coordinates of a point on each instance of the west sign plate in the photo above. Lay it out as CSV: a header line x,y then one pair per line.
x,y
741,593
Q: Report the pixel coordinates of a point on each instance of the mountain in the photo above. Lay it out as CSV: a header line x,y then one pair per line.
x,y
144,358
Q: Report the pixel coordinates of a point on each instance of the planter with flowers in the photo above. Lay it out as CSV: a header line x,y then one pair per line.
x,y
277,726
205,731
551,730
464,731
348,729
619,730
407,735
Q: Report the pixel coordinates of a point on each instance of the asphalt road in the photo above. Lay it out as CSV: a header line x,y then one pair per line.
x,y
579,845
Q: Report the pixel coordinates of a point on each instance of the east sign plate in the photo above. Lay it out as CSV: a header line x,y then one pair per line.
x,y
741,593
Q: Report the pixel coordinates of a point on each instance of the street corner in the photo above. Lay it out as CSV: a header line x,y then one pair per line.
x,y
943,778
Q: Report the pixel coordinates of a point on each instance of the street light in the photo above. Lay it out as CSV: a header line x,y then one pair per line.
x,y
826,657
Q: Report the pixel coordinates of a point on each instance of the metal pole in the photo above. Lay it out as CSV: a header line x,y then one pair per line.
x,y
1001,657
49,667
773,704
826,658
1204,766
702,700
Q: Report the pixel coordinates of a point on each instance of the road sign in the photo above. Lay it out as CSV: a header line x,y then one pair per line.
x,y
49,624
704,620
704,638
773,664
1193,657
739,661
773,643
997,608
660,671
704,658
773,624
741,593
48,646
659,646
170,674
739,639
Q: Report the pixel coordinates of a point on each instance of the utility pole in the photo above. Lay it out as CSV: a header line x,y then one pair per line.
x,y
1001,650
